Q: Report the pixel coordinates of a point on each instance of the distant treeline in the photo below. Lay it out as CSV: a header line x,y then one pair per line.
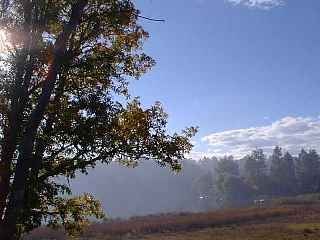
x,y
257,176
201,185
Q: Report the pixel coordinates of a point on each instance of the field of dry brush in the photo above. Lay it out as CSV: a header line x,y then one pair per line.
x,y
279,223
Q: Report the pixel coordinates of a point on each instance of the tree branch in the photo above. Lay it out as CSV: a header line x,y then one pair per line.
x,y
151,19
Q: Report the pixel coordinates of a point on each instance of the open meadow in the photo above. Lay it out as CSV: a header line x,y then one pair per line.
x,y
281,222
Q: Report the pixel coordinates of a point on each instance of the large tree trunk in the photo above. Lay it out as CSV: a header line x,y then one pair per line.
x,y
7,154
24,70
15,206
11,133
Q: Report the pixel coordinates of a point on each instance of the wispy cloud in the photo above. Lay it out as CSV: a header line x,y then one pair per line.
x,y
291,133
261,4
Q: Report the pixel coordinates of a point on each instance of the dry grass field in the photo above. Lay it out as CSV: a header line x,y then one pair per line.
x,y
284,222
271,231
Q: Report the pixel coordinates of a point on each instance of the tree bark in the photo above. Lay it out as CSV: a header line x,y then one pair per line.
x,y
17,94
11,134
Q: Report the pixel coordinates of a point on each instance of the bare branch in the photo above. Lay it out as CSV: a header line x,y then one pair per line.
x,y
151,19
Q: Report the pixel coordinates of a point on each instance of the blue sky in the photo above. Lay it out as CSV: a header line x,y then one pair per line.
x,y
229,65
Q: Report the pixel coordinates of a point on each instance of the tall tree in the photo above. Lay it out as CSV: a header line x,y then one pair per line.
x,y
233,190
226,167
301,170
289,175
255,171
204,192
308,167
236,192
276,157
276,170
67,65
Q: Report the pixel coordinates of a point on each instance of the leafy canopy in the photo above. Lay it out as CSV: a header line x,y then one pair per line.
x,y
90,116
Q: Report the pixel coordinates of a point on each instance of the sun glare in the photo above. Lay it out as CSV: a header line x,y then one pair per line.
x,y
4,41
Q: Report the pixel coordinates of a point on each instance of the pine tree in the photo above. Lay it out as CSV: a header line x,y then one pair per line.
x,y
226,167
289,180
256,171
308,167
276,170
282,173
234,191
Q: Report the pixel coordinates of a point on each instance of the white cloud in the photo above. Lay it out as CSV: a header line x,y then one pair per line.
x,y
197,155
290,133
262,4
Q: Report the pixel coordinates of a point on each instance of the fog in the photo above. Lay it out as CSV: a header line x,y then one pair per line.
x,y
146,189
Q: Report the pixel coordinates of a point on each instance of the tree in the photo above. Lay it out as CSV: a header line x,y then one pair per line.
x,y
65,106
232,188
308,167
255,171
282,173
275,168
204,192
289,174
226,167
236,192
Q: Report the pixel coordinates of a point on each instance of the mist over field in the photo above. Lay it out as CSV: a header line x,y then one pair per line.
x,y
204,185
146,189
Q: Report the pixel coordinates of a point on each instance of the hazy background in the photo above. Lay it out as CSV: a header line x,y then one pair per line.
x,y
147,189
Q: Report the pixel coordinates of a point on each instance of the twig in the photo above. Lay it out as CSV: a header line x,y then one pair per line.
x,y
151,19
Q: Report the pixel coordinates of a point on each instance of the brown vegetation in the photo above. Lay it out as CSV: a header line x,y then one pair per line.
x,y
187,223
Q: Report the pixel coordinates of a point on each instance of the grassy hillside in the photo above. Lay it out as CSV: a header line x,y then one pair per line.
x,y
275,223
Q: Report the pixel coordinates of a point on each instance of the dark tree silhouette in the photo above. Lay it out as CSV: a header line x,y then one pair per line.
x,y
67,65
